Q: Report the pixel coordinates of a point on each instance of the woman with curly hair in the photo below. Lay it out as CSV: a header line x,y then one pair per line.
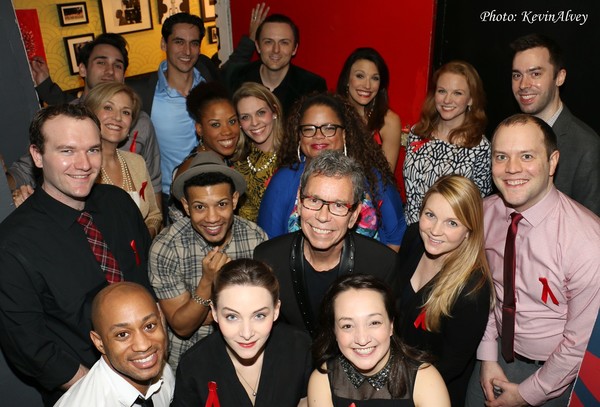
x,y
326,121
449,136
364,80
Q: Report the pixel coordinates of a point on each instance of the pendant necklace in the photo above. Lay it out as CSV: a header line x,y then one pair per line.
x,y
255,388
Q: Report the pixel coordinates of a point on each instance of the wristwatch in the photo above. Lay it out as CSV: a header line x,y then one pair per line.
x,y
200,300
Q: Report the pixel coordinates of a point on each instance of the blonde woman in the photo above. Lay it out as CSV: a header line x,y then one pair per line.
x,y
444,290
117,107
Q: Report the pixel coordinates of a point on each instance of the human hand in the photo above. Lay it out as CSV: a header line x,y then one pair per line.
x,y
212,263
20,194
257,16
490,371
510,396
40,70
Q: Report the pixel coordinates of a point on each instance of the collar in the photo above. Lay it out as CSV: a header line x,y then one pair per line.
x,y
539,212
554,117
163,86
377,381
62,214
127,394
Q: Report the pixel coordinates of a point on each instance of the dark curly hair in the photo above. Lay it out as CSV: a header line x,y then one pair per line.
x,y
359,143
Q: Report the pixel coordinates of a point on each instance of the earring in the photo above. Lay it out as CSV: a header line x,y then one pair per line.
x,y
299,156
345,150
468,108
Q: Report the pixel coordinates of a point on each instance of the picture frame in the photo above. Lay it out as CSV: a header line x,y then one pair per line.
x,y
73,46
125,16
166,8
207,9
213,35
72,13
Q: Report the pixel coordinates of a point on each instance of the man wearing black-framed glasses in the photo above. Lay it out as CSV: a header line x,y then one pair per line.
x,y
308,261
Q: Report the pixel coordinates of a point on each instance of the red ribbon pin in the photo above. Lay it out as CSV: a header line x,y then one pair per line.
x,y
137,255
547,291
415,145
132,146
213,397
143,190
420,321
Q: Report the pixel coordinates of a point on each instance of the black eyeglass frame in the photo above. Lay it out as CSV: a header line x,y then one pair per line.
x,y
350,207
320,128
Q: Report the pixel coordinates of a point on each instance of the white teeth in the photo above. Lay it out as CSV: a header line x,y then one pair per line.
x,y
527,97
79,176
226,143
147,359
435,241
321,231
516,182
364,351
112,127
213,228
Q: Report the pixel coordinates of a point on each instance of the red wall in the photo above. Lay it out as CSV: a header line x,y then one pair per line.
x,y
330,30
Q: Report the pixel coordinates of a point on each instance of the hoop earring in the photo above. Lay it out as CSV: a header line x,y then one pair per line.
x,y
345,150
468,108
300,154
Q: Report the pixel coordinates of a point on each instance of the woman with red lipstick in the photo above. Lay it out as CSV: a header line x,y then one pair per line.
x,y
361,360
326,121
444,286
259,113
251,360
449,136
364,80
117,107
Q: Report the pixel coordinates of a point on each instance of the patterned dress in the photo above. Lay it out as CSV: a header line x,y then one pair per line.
x,y
429,159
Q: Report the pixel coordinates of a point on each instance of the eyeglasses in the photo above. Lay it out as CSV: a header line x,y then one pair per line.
x,y
335,208
327,130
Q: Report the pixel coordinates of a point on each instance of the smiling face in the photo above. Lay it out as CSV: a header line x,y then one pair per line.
x,y
452,97
106,64
441,230
131,337
182,47
71,160
115,117
276,45
256,119
219,128
318,115
210,209
245,315
534,84
363,329
521,169
364,82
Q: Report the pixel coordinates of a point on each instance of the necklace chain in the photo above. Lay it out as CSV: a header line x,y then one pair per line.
x,y
127,182
253,389
262,167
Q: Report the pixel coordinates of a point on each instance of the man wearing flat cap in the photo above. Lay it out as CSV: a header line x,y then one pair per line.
x,y
185,257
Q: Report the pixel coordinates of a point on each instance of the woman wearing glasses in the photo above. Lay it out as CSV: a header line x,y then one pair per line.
x,y
321,122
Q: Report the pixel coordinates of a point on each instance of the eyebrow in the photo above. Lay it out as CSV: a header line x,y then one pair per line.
x,y
253,312
375,314
127,324
105,57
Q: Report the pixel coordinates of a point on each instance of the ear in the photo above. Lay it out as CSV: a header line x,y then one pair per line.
x,y
392,328
235,198
163,44
276,310
214,312
256,46
82,70
185,205
295,50
354,216
198,127
97,342
560,77
553,162
36,156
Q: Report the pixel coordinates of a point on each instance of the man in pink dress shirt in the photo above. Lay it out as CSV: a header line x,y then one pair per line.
x,y
557,277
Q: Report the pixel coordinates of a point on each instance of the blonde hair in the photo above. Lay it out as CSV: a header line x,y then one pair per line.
x,y
253,89
468,259
102,93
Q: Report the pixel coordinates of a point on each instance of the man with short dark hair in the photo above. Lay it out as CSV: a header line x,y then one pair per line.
x,y
185,258
542,250
538,72
60,247
128,331
308,261
277,40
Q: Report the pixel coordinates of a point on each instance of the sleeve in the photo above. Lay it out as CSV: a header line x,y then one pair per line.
x,y
166,275
586,180
275,208
24,171
393,224
189,389
23,327
154,218
52,94
482,174
488,347
583,293
242,53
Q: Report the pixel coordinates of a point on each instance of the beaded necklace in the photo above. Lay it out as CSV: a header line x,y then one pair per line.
x,y
262,167
127,182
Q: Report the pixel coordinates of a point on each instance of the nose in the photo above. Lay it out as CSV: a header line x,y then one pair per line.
x,y
82,161
447,97
361,336
140,342
512,166
323,214
246,330
276,47
212,215
436,228
525,82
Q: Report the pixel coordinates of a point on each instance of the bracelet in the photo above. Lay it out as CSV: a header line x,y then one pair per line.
x,y
199,300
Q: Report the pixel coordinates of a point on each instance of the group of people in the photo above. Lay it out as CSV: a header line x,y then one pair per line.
x,y
235,236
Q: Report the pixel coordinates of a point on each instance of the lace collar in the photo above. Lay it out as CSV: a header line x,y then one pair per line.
x,y
377,381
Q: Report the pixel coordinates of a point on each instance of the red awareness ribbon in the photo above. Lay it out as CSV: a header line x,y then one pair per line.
x,y
352,405
420,321
415,145
137,255
547,291
143,190
213,397
132,146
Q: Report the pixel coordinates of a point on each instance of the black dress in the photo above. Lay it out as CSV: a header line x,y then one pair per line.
x,y
454,347
283,379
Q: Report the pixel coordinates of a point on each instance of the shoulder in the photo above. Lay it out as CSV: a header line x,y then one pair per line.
x,y
391,118
305,74
290,338
369,250
201,356
133,158
245,228
582,222
271,247
576,128
430,388
176,232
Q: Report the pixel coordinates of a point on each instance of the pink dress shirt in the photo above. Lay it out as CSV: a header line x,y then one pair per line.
x,y
558,240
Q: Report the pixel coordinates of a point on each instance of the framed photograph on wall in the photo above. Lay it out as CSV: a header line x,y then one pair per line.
x,y
166,8
73,46
72,13
207,7
213,35
125,16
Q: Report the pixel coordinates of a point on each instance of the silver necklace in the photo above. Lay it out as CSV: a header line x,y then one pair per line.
x,y
262,167
255,388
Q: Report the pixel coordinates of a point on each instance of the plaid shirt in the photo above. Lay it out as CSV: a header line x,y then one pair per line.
x,y
176,266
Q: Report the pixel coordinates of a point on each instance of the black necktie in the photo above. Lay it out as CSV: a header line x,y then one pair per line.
x,y
144,402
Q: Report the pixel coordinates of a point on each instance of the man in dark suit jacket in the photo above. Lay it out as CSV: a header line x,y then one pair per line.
x,y
308,261
277,41
538,71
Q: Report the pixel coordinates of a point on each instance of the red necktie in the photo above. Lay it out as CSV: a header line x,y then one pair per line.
x,y
105,258
509,306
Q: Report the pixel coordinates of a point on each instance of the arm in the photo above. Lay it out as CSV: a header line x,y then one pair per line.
x,y
319,392
245,49
154,219
391,138
82,371
277,202
482,174
430,390
52,94
393,224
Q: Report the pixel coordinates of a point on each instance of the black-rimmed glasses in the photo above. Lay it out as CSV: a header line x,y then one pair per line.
x,y
327,130
335,208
